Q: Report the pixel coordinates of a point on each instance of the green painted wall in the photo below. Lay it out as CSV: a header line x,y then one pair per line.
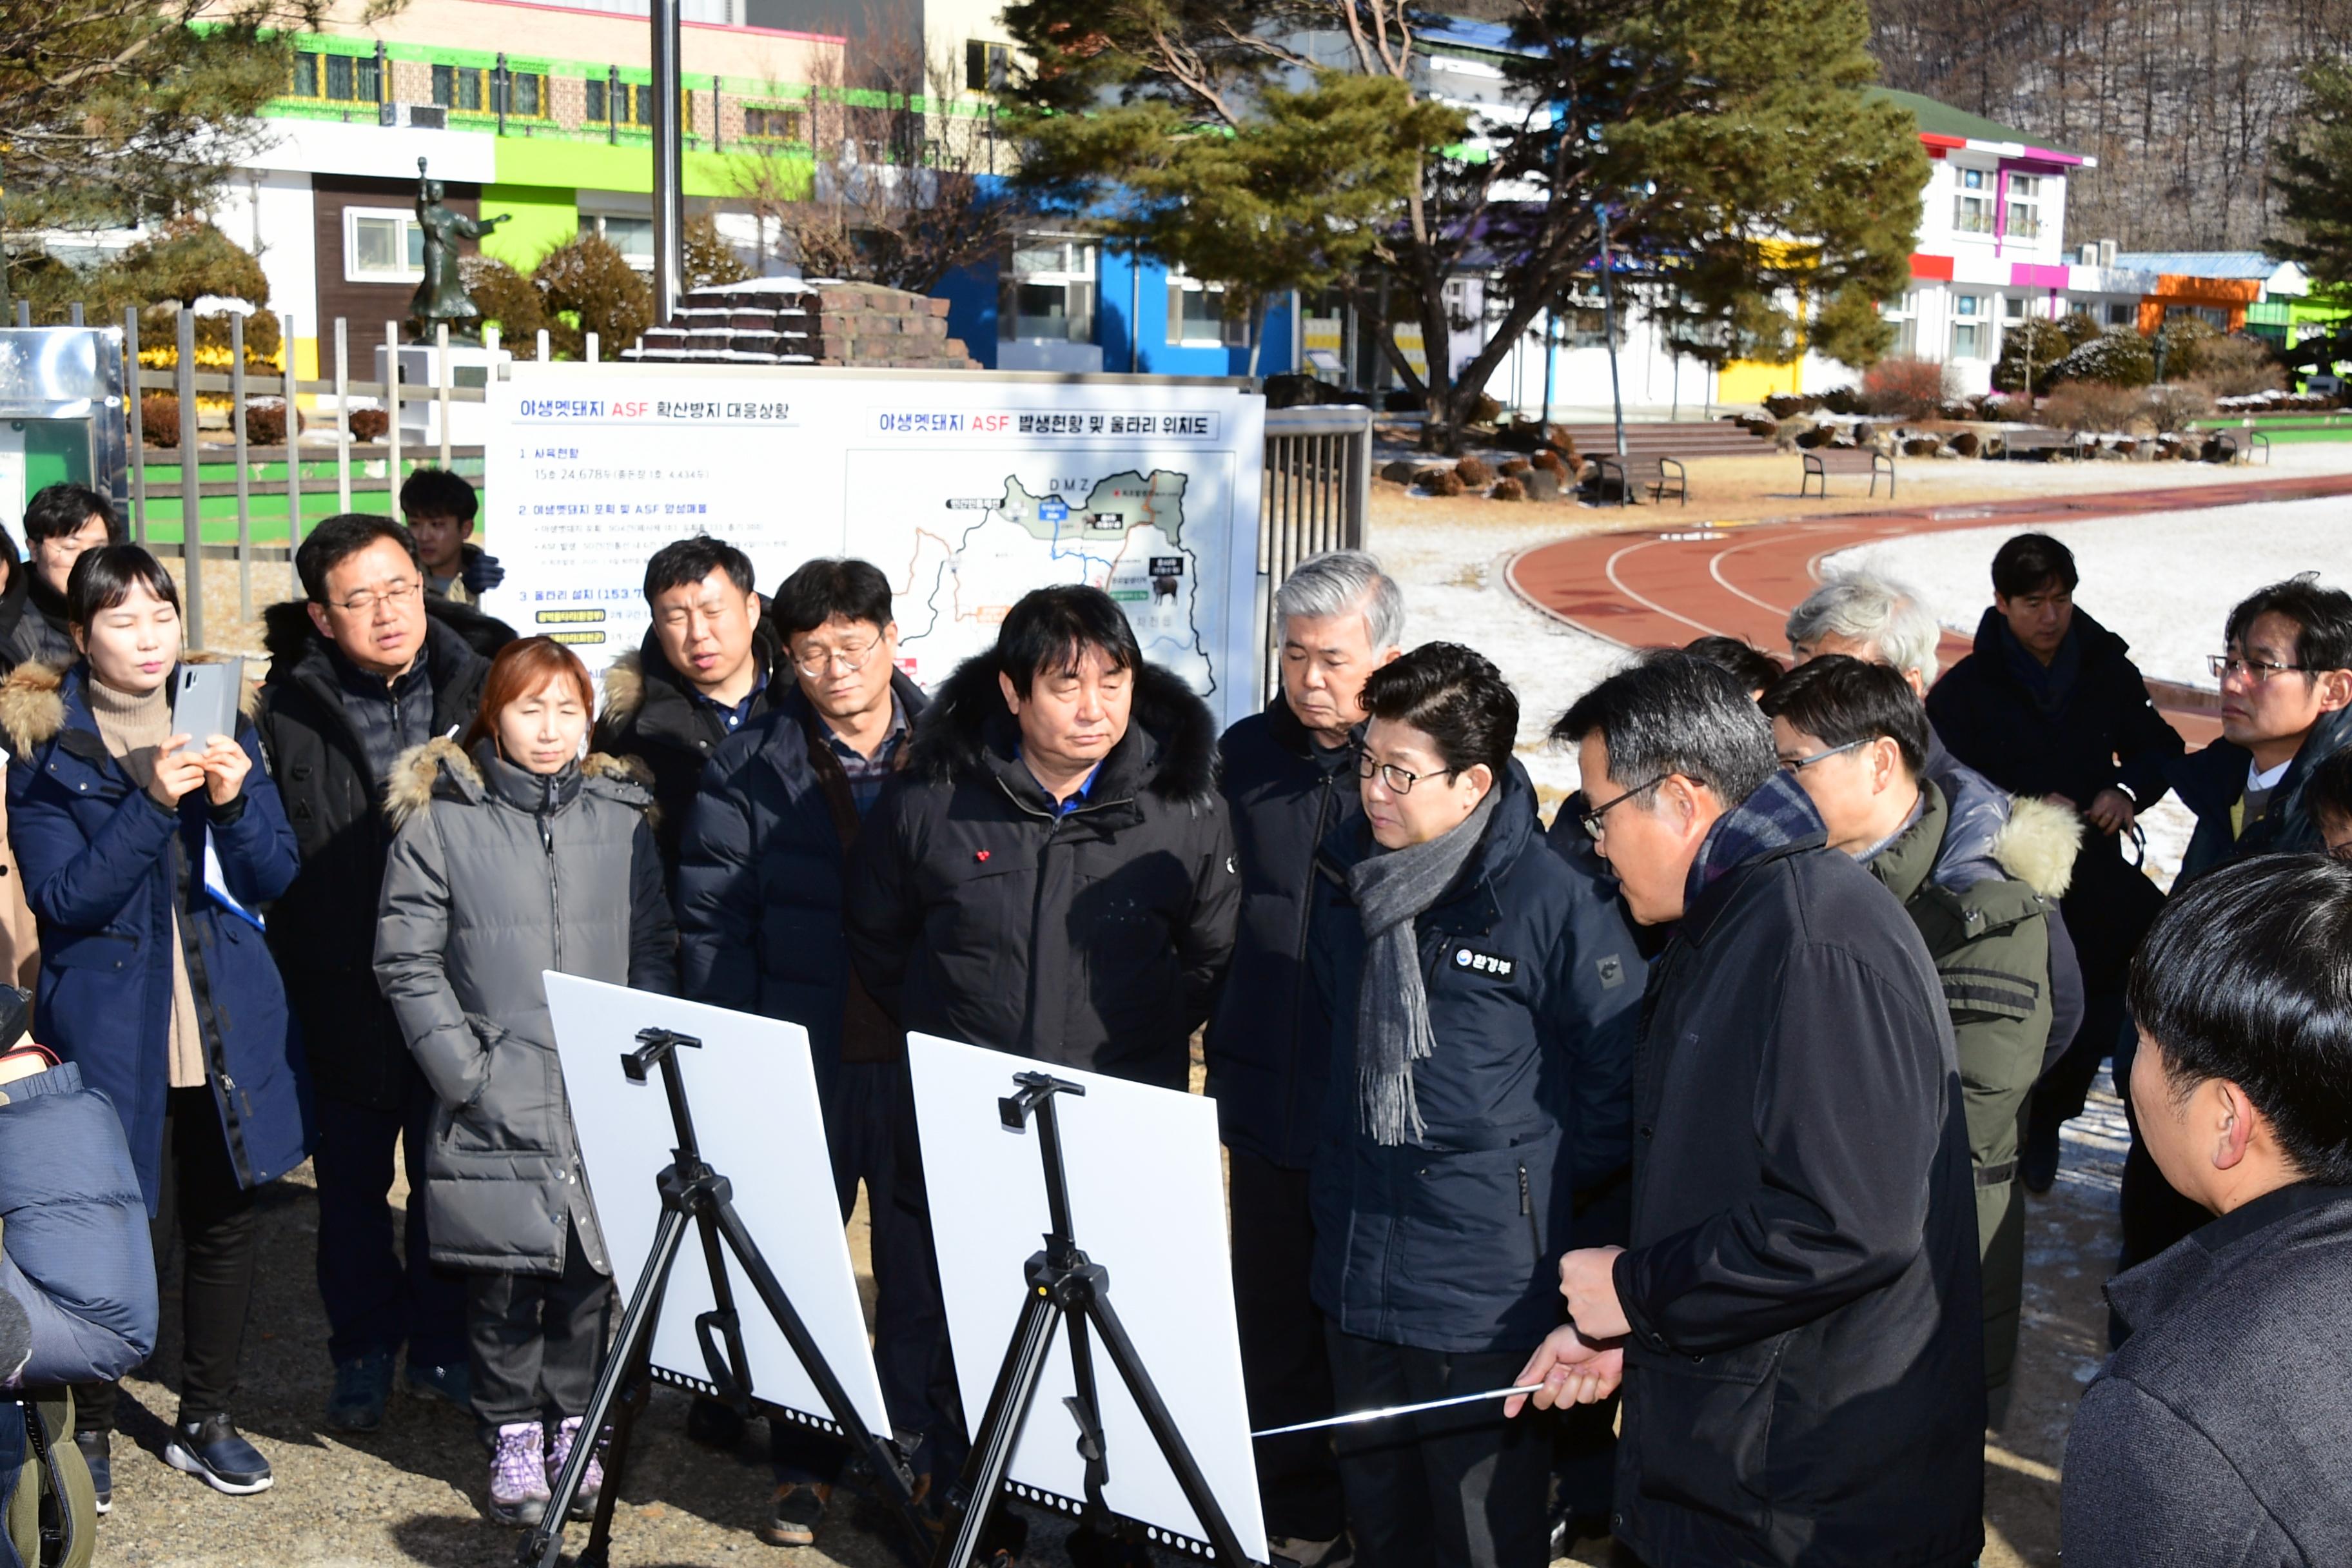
x,y
544,216
548,161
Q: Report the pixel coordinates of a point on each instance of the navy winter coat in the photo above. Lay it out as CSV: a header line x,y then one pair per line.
x,y
2212,784
1268,1043
75,1226
759,883
104,867
1453,1244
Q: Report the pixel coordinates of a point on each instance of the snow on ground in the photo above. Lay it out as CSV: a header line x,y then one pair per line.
x,y
1452,574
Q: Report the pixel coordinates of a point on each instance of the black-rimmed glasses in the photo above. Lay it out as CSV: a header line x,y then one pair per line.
x,y
1592,819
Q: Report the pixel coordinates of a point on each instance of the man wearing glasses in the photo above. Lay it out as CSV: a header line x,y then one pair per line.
x,y
1796,1324
760,916
706,669
358,674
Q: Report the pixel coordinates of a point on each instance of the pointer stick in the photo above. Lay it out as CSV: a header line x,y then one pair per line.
x,y
1398,1410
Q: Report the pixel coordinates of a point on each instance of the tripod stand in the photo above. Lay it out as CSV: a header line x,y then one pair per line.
x,y
692,1192
1067,1290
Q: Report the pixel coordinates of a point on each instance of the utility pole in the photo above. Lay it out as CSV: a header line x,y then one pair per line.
x,y
669,170
1609,326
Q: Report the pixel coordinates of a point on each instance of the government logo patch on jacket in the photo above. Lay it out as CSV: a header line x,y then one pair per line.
x,y
1477,963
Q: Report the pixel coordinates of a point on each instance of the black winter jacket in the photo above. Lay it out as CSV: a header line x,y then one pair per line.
x,y
1268,1044
33,623
1453,1243
759,884
651,715
1804,1378
2219,1433
1093,938
2212,784
323,928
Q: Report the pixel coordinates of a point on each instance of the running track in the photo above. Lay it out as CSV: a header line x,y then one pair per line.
x,y
1649,587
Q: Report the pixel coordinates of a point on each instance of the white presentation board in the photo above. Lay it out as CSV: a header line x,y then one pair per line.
x,y
967,489
752,1093
1148,1202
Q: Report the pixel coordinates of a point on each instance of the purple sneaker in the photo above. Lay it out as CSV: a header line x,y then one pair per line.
x,y
591,1483
517,1478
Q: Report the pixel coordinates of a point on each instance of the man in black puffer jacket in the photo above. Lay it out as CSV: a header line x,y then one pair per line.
x,y
368,667
1055,877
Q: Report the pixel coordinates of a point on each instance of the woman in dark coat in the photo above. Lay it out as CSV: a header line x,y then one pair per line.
x,y
146,854
511,856
1484,997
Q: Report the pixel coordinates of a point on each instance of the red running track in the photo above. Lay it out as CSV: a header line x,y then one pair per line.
x,y
1652,587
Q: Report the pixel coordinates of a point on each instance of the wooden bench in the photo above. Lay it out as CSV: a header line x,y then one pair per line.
x,y
1880,463
1601,468
2258,441
1671,480
1814,470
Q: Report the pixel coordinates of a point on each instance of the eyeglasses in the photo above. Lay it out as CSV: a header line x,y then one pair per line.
x,y
2225,665
367,599
1798,764
1400,781
849,659
1594,826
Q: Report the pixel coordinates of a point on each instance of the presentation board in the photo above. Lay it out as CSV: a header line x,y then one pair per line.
x,y
753,1092
967,489
1148,1203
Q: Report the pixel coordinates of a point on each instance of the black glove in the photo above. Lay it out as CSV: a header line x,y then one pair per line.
x,y
482,572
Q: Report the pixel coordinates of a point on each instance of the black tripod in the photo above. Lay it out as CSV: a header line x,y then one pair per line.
x,y
1066,1289
692,1192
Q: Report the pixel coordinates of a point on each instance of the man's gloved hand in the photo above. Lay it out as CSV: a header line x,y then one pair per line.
x,y
481,573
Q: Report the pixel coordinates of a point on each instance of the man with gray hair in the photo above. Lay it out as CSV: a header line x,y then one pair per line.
x,y
1290,781
1872,619
1796,1324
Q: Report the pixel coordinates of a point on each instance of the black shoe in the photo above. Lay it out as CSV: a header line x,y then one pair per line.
x,y
798,1510
211,1450
2037,1161
96,1453
713,1425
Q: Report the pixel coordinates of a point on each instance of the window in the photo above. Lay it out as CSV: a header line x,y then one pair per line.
x,y
526,94
1049,291
381,244
2123,315
632,236
457,87
306,75
1972,208
2012,306
986,66
337,79
767,124
2024,206
632,104
1971,333
1197,316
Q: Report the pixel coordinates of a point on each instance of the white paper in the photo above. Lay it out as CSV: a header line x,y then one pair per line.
x,y
967,488
1148,1202
752,1094
216,884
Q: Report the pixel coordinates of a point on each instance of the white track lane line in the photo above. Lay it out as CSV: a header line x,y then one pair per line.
x,y
1609,571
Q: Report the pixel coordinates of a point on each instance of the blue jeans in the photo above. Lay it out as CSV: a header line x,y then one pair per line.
x,y
377,1299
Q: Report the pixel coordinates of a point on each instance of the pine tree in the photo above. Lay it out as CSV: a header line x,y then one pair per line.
x,y
2312,176
1771,205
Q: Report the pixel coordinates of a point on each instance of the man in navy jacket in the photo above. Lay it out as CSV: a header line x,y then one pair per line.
x,y
1289,781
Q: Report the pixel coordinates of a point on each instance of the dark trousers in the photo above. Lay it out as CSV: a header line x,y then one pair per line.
x,y
869,1113
379,1295
202,1202
1284,1365
537,1341
1451,1489
2060,1094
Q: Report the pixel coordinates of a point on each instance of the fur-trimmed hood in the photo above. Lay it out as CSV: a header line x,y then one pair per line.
x,y
2038,844
33,699
443,767
644,675
968,720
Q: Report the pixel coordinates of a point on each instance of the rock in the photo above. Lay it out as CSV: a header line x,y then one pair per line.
x,y
1400,471
1475,473
1549,462
1508,490
1922,446
1541,484
1967,445
1513,468
1442,482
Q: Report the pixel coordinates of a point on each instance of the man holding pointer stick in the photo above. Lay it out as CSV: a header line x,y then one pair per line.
x,y
1795,1326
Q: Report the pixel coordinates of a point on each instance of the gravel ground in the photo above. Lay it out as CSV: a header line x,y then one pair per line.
x,y
411,1493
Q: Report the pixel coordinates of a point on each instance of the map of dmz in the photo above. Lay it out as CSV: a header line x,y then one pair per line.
x,y
1123,533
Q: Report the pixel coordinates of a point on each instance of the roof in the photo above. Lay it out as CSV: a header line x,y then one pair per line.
x,y
1943,120
2199,263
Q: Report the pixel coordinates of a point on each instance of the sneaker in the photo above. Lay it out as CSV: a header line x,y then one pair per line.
x,y
97,1453
584,1501
799,1508
1337,1552
519,1474
363,1384
211,1450
453,1382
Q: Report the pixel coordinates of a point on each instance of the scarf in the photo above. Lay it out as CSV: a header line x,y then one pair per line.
x,y
134,729
1391,888
1778,815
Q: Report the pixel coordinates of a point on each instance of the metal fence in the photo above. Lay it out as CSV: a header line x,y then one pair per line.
x,y
1315,497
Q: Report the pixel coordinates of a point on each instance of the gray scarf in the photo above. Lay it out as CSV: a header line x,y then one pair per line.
x,y
1391,888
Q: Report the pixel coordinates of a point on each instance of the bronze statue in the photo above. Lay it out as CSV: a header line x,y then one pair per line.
x,y
442,296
